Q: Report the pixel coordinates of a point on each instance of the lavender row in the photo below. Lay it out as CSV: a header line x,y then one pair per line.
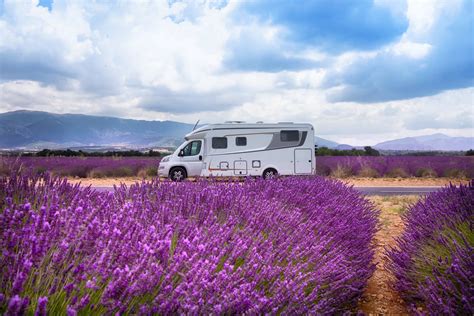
x,y
433,260
289,246
393,166
82,167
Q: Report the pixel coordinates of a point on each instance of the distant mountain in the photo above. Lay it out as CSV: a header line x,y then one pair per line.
x,y
321,142
429,142
37,130
344,147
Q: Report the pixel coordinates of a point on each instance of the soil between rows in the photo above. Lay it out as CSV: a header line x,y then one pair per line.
x,y
380,298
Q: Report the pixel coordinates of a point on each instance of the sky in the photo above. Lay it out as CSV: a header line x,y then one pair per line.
x,y
360,71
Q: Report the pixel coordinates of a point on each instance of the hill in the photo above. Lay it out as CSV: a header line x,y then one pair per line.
x,y
35,130
321,142
433,142
38,130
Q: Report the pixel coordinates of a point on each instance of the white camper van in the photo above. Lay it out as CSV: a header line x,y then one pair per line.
x,y
241,149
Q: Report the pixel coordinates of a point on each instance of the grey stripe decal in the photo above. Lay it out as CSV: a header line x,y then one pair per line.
x,y
276,143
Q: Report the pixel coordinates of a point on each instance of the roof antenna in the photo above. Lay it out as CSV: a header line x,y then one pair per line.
x,y
196,125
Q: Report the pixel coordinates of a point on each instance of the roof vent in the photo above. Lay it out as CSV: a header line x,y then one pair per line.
x,y
235,122
260,122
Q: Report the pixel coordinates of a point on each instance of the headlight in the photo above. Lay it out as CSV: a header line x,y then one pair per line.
x,y
165,159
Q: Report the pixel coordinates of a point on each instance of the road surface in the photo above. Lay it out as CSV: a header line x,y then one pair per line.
x,y
384,191
396,190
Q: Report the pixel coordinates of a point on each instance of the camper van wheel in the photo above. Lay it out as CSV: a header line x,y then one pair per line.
x,y
269,173
178,174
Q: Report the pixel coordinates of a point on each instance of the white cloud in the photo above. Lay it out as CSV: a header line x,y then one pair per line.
x,y
151,60
354,123
424,14
411,49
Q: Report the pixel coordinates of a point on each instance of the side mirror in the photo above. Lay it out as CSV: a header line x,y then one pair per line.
x,y
181,153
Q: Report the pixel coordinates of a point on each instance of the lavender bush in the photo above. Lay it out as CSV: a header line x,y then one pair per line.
x,y
92,167
289,246
396,166
433,260
340,167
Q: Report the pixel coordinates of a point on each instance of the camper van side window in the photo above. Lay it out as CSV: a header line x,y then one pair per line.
x,y
289,136
219,142
241,141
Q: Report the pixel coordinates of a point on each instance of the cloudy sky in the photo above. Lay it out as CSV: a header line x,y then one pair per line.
x,y
361,71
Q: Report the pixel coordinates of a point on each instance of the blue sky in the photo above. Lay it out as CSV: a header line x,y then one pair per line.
x,y
361,71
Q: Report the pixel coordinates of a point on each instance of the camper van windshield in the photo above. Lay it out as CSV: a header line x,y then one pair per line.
x,y
192,149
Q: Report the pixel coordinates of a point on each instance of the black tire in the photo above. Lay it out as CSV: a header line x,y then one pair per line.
x,y
269,173
178,174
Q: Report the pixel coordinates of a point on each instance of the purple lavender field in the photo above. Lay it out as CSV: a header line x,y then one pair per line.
x,y
289,246
396,166
83,167
340,167
433,260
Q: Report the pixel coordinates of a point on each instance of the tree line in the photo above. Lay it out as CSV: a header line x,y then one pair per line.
x,y
367,151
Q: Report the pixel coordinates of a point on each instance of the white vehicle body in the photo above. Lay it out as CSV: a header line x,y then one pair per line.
x,y
242,149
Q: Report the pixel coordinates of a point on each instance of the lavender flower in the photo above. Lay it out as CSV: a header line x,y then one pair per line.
x,y
82,167
396,166
70,311
433,259
291,246
41,308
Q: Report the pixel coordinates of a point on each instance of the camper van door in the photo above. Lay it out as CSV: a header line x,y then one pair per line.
x,y
191,156
303,161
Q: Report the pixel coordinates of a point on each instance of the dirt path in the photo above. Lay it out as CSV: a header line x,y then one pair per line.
x,y
380,298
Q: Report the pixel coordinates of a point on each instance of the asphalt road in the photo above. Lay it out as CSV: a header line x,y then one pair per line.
x,y
396,190
384,191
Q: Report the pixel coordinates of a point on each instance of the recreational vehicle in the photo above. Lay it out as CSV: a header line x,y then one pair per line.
x,y
241,149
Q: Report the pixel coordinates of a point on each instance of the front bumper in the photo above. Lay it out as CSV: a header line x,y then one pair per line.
x,y
163,170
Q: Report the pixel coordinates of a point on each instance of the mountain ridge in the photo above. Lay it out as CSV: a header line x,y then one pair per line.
x,y
437,141
24,129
